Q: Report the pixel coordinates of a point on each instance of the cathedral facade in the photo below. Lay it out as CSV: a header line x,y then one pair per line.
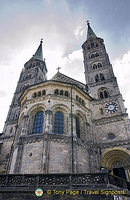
x,y
64,126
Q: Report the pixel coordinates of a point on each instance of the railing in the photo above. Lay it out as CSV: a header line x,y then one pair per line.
x,y
93,180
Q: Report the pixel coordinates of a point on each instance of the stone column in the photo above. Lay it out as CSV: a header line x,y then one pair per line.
x,y
48,118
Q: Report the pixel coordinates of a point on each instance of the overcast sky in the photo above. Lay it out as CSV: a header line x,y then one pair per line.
x,y
62,25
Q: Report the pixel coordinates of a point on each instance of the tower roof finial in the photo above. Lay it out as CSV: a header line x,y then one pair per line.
x,y
90,33
38,54
41,40
88,23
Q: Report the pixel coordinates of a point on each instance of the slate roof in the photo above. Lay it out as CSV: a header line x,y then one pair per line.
x,y
63,78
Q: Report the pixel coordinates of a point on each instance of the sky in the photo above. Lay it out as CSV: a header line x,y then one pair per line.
x,y
62,25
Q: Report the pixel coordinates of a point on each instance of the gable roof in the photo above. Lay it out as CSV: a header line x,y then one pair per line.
x,y
63,78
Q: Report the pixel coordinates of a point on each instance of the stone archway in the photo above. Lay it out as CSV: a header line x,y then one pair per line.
x,y
117,160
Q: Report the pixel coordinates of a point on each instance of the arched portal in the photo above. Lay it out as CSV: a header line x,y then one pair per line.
x,y
117,160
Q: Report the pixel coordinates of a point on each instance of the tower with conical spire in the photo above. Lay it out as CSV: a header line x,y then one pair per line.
x,y
110,120
98,69
34,72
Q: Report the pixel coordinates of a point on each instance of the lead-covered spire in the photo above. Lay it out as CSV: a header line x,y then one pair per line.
x,y
38,54
90,33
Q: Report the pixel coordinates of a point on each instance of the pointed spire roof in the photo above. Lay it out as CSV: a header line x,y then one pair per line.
x,y
38,54
90,33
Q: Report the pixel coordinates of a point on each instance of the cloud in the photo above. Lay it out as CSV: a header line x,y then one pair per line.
x,y
3,94
62,26
122,71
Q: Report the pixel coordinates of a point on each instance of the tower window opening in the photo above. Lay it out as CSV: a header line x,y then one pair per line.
x,y
99,65
94,66
93,55
97,54
92,45
102,78
97,78
96,44
38,123
59,123
88,47
103,93
11,130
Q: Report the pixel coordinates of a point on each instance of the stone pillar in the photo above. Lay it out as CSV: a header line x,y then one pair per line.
x,y
25,125
48,119
74,124
19,156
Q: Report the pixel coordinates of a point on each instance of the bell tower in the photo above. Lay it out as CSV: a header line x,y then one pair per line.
x,y
101,82
34,72
109,118
100,79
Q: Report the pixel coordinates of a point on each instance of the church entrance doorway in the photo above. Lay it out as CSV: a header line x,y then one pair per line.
x,y
120,172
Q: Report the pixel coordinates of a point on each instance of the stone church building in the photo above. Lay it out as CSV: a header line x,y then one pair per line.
x,y
64,126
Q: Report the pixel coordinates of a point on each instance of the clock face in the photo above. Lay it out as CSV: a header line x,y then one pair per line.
x,y
111,107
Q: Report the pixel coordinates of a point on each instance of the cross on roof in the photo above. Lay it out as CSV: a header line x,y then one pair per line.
x,y
58,68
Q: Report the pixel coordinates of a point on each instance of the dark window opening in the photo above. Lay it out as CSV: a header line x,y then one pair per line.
x,y
56,91
99,65
11,130
77,127
101,110
66,93
83,102
61,92
77,98
97,54
34,95
101,95
105,94
97,78
39,93
102,78
43,92
92,45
